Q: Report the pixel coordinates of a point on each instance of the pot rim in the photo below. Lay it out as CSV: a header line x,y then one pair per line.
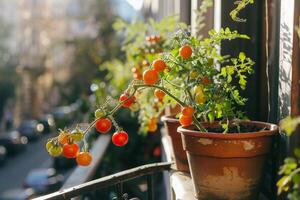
x,y
273,129
169,118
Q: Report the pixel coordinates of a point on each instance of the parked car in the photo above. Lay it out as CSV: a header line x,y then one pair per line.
x,y
18,194
43,180
3,153
13,141
48,122
31,129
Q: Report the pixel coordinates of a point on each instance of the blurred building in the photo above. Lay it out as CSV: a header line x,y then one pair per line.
x,y
38,31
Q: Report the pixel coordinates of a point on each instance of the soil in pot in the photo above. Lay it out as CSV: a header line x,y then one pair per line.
x,y
171,125
228,166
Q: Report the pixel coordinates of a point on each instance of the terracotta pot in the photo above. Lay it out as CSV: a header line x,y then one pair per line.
x,y
227,166
171,125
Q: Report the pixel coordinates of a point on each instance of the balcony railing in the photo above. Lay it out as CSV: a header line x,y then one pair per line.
x,y
115,179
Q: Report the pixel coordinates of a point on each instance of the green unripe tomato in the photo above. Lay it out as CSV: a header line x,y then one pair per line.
x,y
77,135
49,145
53,150
194,74
99,113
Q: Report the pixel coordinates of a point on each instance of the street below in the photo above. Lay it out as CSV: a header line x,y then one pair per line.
x,y
16,168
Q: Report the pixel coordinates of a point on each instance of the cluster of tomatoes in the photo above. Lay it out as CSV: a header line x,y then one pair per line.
x,y
151,76
66,144
186,116
153,44
104,124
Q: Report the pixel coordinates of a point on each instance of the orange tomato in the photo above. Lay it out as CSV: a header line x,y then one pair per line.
x,y
159,94
152,127
150,76
188,111
84,158
185,120
159,65
185,51
63,138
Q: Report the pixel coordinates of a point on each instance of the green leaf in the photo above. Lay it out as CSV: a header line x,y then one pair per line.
x,y
242,56
282,184
297,152
289,124
211,117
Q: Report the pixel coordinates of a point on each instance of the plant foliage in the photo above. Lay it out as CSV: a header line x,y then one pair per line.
x,y
241,4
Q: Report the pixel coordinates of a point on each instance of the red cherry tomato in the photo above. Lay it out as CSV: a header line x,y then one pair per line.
x,y
205,80
185,51
159,65
84,159
70,150
150,76
103,125
157,151
128,102
120,138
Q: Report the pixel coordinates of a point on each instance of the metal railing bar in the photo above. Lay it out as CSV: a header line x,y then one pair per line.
x,y
107,181
150,186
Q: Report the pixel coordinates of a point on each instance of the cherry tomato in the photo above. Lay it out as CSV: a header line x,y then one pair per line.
x,y
159,65
103,125
200,98
63,138
77,135
157,151
150,76
152,127
134,70
99,113
70,150
152,38
194,74
205,80
145,63
188,111
120,138
137,76
49,145
84,158
127,102
157,38
185,120
198,89
159,94
148,39
185,51
55,151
